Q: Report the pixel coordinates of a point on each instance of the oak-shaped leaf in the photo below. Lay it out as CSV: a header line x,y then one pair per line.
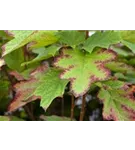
x,y
25,89
83,68
118,101
33,38
50,86
102,39
44,84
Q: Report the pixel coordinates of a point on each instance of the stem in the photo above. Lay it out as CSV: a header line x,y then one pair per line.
x,y
10,80
62,107
28,111
84,96
72,107
83,108
28,108
25,55
87,34
8,75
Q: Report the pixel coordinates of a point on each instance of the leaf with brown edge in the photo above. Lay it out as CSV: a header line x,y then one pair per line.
x,y
118,101
17,75
24,75
83,68
25,89
44,84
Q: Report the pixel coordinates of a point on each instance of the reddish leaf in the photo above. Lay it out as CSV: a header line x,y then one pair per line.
x,y
25,89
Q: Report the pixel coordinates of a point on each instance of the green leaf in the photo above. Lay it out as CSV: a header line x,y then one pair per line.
x,y
71,38
121,51
130,45
35,39
3,35
120,67
15,59
82,69
4,88
10,118
118,100
130,78
14,118
4,118
43,53
55,118
50,87
103,40
128,35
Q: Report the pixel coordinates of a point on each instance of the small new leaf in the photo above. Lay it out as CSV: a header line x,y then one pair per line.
x,y
82,69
